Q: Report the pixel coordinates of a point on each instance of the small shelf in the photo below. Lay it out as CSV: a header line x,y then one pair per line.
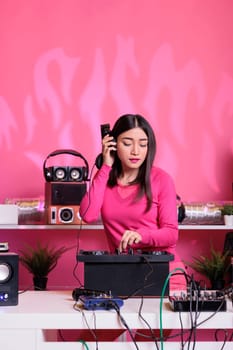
x,y
100,227
52,227
205,227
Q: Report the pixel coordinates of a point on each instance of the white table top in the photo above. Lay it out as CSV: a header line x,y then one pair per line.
x,y
54,310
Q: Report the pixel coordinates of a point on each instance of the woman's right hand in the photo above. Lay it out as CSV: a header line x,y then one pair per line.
x,y
108,145
129,238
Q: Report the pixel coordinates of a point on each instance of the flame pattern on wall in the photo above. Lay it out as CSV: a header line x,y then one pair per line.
x,y
68,66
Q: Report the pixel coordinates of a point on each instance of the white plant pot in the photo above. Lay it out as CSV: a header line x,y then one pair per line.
x,y
228,220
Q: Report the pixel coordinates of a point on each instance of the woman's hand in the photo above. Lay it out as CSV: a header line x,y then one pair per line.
x,y
129,237
108,145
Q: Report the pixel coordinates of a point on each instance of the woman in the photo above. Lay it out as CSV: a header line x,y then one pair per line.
x,y
136,200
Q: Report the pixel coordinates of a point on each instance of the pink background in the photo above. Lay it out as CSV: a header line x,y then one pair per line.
x,y
68,66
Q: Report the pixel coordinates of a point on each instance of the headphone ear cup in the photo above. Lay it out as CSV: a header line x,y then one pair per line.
x,y
99,161
85,173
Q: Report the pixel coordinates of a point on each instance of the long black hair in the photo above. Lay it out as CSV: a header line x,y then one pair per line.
x,y
125,123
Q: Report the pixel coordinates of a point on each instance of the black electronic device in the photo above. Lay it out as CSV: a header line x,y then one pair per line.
x,y
77,292
9,267
130,256
64,193
4,246
180,209
105,130
66,173
127,274
205,301
100,302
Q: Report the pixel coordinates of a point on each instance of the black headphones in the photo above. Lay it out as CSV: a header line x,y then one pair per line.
x,y
80,173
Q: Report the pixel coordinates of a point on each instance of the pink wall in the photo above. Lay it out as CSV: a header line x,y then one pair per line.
x,y
68,66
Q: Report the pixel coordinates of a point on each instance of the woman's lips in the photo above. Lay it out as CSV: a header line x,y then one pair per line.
x,y
134,160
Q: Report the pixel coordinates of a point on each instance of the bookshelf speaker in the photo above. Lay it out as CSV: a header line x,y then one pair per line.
x,y
66,193
9,267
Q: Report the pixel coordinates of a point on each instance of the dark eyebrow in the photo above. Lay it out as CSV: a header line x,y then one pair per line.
x,y
130,139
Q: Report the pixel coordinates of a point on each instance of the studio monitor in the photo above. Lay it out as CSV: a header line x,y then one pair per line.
x,y
62,202
9,267
66,173
66,193
61,215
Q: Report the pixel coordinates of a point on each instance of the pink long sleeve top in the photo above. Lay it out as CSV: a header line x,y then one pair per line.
x,y
119,211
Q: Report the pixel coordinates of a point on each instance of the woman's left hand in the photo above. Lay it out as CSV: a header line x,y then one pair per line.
x,y
129,237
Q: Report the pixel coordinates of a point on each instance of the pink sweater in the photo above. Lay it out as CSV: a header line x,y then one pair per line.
x,y
119,211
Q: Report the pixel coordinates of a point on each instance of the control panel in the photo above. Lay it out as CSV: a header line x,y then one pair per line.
x,y
129,256
200,301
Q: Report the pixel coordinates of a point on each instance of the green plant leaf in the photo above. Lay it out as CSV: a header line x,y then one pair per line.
x,y
40,260
214,266
227,209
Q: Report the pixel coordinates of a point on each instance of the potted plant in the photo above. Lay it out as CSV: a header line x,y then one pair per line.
x,y
214,267
227,213
40,261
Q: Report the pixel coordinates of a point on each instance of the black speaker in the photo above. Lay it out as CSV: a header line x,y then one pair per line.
x,y
228,249
62,193
9,271
66,173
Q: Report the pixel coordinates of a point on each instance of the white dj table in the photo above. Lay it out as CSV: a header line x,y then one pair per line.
x,y
34,323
